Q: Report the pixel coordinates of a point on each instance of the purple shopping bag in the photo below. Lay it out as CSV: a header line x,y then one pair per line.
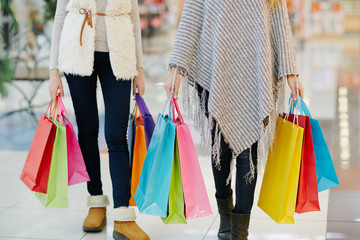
x,y
148,120
76,166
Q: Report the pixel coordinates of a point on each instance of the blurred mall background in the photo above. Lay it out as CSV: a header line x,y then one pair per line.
x,y
327,37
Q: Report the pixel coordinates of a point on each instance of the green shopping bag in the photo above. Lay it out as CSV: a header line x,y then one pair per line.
x,y
57,189
176,197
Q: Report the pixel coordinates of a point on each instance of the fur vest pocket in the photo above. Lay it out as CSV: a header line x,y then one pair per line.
x,y
79,60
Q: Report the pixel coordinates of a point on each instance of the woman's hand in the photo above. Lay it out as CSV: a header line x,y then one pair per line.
x,y
169,81
291,79
55,84
138,83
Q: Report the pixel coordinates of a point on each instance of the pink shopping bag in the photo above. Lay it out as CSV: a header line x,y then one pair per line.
x,y
195,195
76,166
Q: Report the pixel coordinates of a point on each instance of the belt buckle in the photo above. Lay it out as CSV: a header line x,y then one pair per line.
x,y
83,11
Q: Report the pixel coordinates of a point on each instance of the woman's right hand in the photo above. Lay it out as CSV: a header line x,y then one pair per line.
x,y
55,84
169,83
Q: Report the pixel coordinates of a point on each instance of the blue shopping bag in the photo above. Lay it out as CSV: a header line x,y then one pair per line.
x,y
152,194
325,170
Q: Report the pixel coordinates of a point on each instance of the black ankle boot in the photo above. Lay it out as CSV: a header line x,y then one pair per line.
x,y
225,206
240,226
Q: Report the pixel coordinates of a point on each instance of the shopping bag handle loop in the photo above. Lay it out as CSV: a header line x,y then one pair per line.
x,y
173,81
168,107
301,106
294,105
137,112
174,103
51,106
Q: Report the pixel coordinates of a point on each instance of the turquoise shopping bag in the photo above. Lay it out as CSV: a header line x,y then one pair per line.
x,y
325,171
152,194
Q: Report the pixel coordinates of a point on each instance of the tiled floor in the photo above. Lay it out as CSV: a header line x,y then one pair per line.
x,y
325,67
23,217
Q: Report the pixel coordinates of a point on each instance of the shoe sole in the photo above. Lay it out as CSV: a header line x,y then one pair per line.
x,y
119,236
95,229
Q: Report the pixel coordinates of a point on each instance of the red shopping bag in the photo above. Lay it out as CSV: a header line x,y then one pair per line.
x,y
307,197
195,195
76,166
35,173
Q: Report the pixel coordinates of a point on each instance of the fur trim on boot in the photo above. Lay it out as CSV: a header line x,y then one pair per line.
x,y
98,201
125,227
95,221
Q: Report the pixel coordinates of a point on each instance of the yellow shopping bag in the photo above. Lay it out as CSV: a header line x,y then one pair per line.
x,y
281,177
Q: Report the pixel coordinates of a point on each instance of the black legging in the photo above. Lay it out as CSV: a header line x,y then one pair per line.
x,y
244,190
116,95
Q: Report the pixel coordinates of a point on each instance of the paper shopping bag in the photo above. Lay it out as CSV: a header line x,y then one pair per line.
x,y
152,194
35,173
76,165
279,187
176,197
325,170
139,154
195,195
308,197
57,189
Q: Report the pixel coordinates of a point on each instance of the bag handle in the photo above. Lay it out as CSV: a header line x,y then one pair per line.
x,y
304,108
168,106
137,112
174,103
294,104
51,106
173,81
53,110
61,106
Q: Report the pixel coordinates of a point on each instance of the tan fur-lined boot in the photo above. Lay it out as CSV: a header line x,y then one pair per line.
x,y
125,227
96,218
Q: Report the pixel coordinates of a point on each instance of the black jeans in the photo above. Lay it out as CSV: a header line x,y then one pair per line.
x,y
244,190
117,103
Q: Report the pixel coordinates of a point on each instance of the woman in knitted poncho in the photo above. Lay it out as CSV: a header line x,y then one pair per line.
x,y
235,58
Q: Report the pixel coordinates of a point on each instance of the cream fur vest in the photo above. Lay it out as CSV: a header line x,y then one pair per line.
x,y
79,60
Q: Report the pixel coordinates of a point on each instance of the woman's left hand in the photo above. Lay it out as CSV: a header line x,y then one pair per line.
x,y
138,83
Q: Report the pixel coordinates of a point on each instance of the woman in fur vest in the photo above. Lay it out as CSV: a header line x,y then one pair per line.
x,y
101,39
235,58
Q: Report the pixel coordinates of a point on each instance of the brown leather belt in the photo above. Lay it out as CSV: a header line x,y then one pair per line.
x,y
88,19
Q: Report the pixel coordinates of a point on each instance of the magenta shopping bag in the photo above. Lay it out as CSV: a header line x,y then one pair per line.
x,y
76,166
195,195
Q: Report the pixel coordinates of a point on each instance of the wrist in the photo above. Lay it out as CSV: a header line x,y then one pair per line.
x,y
54,70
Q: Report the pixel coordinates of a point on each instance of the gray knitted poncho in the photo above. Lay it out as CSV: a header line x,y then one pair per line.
x,y
241,52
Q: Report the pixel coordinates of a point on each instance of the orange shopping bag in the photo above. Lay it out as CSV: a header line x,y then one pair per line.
x,y
138,155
